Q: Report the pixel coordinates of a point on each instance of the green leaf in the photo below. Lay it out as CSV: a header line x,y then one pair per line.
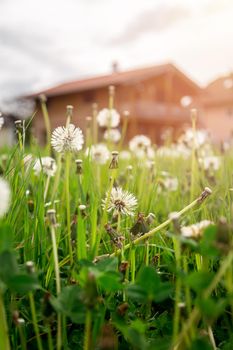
x,y
199,281
207,243
23,283
8,266
136,292
148,279
110,281
211,308
69,303
6,237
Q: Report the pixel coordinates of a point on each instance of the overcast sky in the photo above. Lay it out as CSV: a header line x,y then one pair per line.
x,y
45,42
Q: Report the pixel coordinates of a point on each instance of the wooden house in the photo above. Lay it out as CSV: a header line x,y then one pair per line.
x,y
152,95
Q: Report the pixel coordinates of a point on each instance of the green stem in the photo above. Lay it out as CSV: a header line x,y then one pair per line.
x,y
34,320
4,337
158,228
195,314
87,334
176,319
47,124
67,187
57,177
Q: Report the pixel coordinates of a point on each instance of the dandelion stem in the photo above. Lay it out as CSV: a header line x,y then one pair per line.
x,y
4,338
46,121
163,225
34,320
46,187
195,314
67,187
87,334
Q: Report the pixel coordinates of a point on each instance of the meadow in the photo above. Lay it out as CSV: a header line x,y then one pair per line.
x,y
106,244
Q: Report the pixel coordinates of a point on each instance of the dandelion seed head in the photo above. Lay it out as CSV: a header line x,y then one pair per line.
x,y
67,139
99,153
120,202
140,146
46,165
112,135
5,195
196,230
108,118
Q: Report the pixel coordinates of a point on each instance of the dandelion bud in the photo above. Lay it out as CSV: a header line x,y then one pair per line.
x,y
19,125
122,308
42,98
69,110
30,205
150,218
79,166
82,209
123,267
193,114
129,169
30,267
114,161
126,114
111,90
51,214
207,191
89,120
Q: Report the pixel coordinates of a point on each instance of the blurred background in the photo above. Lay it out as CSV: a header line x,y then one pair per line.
x,y
163,56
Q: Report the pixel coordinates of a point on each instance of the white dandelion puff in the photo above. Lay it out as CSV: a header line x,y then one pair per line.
x,y
120,202
99,153
5,195
125,155
196,230
1,122
140,145
46,165
108,118
210,163
67,139
112,135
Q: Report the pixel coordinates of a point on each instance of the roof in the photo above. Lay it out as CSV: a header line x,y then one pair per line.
x,y
219,91
118,78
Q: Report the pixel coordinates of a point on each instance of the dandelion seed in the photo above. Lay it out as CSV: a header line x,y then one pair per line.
x,y
67,139
196,230
200,137
47,165
112,135
170,183
120,202
99,153
108,118
114,161
5,195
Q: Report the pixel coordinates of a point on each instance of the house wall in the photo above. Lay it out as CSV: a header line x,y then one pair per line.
x,y
218,120
153,103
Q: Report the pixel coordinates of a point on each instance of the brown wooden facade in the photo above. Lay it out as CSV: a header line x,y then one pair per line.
x,y
151,95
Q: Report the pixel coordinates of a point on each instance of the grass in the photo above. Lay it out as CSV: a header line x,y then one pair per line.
x,y
136,284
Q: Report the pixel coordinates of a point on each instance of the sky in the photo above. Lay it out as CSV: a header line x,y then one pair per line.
x,y
46,42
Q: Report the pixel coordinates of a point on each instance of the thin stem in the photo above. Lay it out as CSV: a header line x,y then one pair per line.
x,y
176,319
46,187
34,320
57,177
87,334
67,187
159,227
4,337
47,123
55,257
195,314
193,158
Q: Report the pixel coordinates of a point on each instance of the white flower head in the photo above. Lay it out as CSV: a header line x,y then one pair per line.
x,y
5,195
210,163
1,121
196,230
140,145
47,165
67,139
108,118
120,202
112,135
125,155
99,153
199,138
170,183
